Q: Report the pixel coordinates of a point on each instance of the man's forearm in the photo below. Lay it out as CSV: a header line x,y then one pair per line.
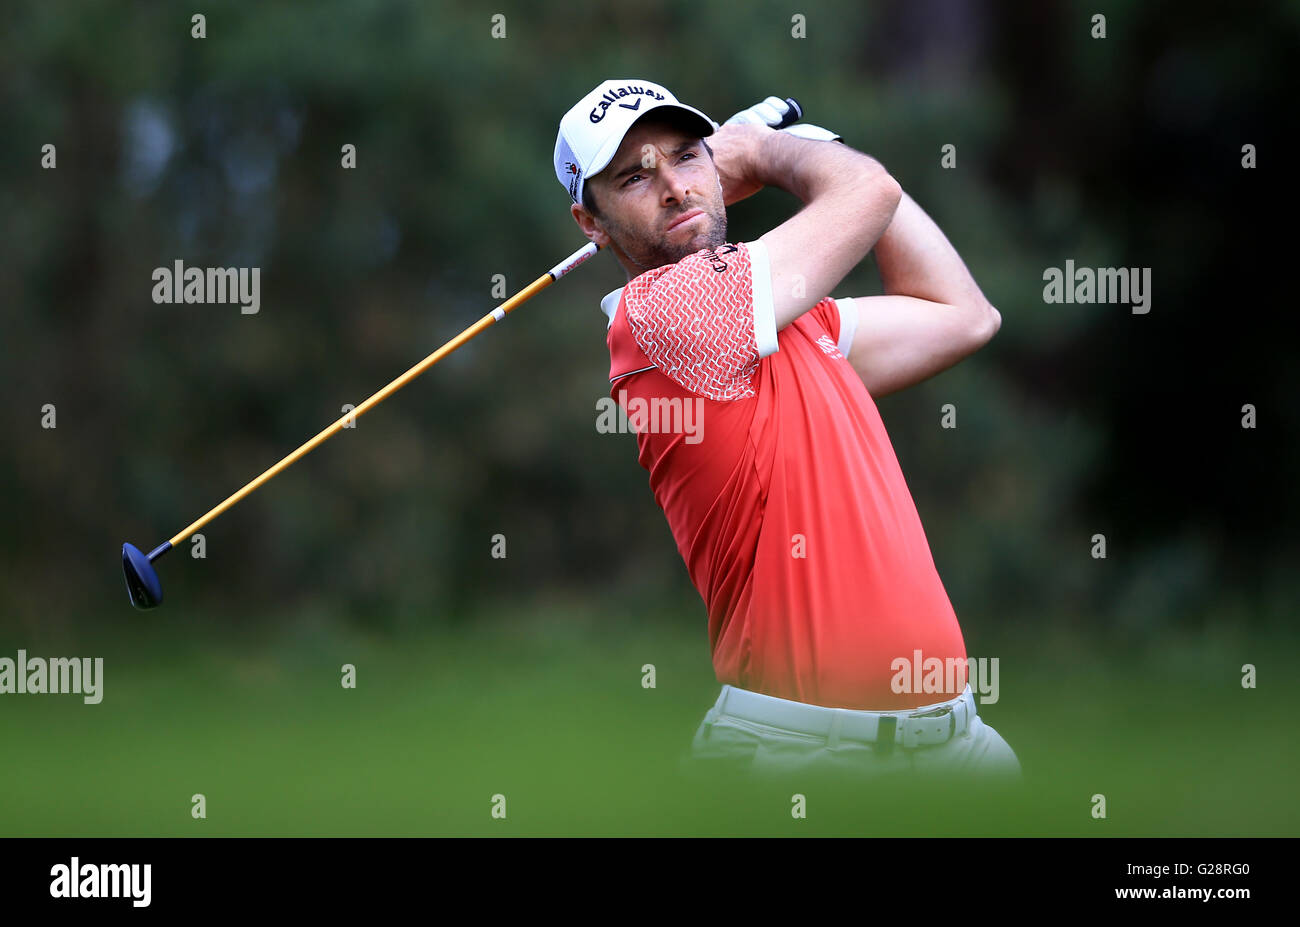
x,y
808,169
916,259
849,200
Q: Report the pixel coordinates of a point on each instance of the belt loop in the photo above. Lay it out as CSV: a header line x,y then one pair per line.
x,y
720,706
833,736
886,730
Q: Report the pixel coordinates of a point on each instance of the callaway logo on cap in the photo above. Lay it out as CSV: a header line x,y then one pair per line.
x,y
592,130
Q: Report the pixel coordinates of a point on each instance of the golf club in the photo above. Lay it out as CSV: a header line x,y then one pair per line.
x,y
142,583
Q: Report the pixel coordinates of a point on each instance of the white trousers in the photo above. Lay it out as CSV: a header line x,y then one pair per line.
x,y
762,735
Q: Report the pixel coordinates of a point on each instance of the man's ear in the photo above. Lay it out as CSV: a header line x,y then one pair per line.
x,y
589,224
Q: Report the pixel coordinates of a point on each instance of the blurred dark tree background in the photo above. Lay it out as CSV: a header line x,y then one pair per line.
x,y
225,151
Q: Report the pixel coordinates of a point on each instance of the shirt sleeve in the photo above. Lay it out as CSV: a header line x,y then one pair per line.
x,y
847,311
707,320
838,317
827,316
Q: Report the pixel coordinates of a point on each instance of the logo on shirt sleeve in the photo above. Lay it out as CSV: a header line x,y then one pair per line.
x,y
715,259
829,346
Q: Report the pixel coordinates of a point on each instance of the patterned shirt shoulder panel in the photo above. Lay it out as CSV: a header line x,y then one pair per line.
x,y
699,320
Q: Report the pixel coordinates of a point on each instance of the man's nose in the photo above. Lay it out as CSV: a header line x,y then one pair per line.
x,y
675,186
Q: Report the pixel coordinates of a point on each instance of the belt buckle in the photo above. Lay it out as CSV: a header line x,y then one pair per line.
x,y
914,740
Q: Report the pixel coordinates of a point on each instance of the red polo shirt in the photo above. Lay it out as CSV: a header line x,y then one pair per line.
x,y
779,483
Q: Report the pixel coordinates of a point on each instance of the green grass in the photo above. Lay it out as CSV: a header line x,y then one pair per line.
x,y
551,713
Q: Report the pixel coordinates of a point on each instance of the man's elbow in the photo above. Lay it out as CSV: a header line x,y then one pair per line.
x,y
995,320
886,192
987,320
873,187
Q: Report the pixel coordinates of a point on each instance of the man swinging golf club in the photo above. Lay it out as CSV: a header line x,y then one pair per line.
x,y
789,508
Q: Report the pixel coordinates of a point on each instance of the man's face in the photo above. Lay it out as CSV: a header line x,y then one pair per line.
x,y
660,174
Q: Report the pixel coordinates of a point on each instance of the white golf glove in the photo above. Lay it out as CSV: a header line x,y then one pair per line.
x,y
816,133
773,112
768,113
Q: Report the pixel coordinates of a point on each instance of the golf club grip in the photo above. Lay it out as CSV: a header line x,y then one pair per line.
x,y
792,115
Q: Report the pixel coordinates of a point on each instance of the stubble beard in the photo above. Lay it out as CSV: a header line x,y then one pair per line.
x,y
648,252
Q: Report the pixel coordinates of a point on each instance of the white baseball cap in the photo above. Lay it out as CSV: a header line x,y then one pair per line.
x,y
592,130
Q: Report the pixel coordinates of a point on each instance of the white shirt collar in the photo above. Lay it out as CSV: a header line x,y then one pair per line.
x,y
609,305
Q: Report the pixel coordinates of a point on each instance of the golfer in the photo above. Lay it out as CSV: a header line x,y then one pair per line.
x,y
786,502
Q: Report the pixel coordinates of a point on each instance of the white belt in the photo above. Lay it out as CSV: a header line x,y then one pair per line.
x,y
913,727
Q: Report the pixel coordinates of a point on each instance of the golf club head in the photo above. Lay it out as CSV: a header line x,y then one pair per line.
x,y
142,583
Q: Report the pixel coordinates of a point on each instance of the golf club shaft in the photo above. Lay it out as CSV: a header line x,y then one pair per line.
x,y
496,315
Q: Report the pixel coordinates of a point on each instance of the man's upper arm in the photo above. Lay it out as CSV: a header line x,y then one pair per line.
x,y
896,341
706,321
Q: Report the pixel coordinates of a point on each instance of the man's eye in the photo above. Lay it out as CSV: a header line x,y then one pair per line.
x,y
630,179
689,154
